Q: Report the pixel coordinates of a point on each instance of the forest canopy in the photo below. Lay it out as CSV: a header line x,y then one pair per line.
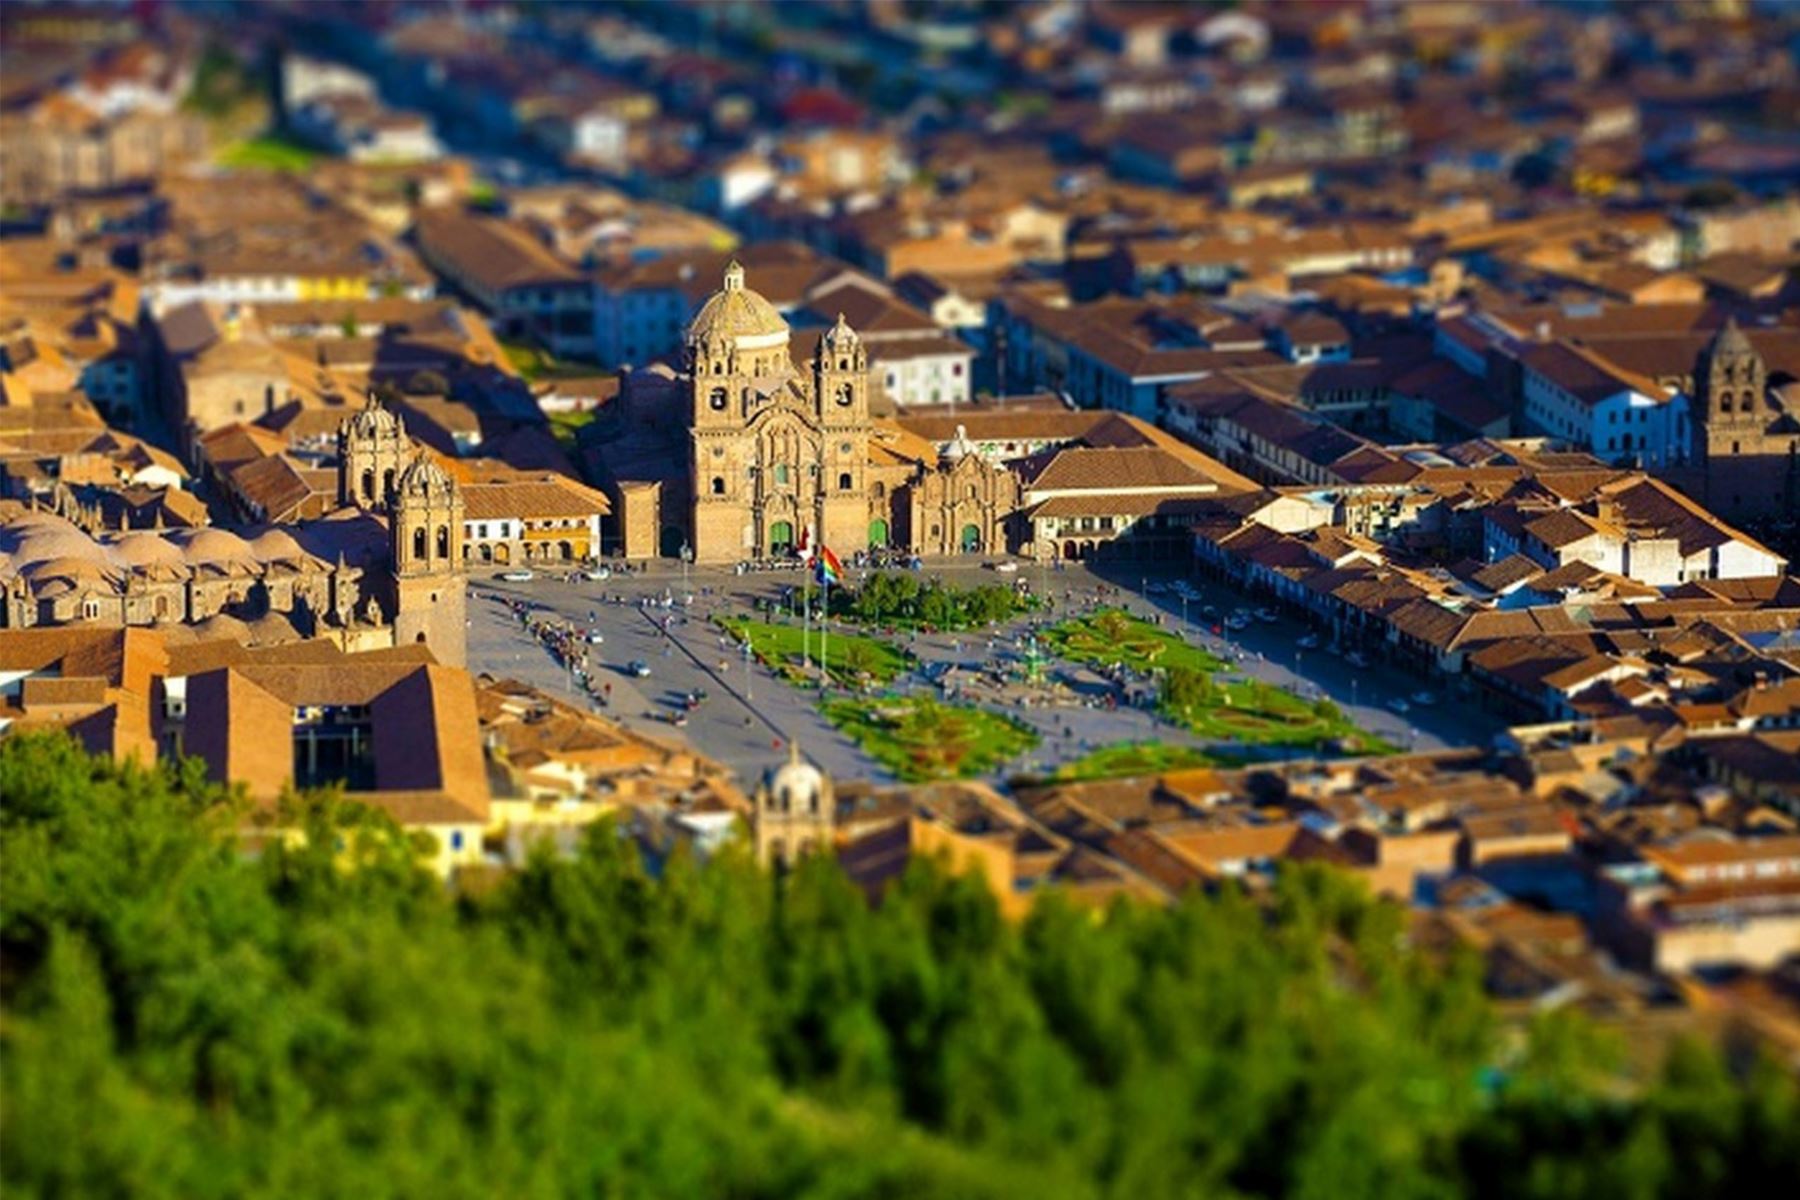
x,y
185,1019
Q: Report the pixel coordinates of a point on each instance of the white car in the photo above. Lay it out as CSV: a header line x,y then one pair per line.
x,y
594,637
519,576
1308,641
1005,568
1399,704
1424,699
639,668
595,574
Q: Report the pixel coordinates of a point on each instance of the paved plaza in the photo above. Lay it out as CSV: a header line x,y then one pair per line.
x,y
750,715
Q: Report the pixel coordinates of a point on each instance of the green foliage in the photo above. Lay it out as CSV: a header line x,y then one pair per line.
x,y
1133,758
851,658
920,739
268,153
181,1019
902,598
221,83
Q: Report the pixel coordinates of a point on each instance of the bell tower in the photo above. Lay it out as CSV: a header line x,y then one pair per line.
x,y
840,370
372,449
425,541
1730,379
796,812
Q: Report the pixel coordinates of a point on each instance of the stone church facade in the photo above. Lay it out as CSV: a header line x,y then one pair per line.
x,y
385,567
1747,444
780,455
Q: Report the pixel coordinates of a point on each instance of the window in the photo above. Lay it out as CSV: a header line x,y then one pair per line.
x,y
419,543
781,473
844,483
718,399
957,370
443,541
481,530
718,485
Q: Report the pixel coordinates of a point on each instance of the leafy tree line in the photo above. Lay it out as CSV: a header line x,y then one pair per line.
x,y
181,1019
900,597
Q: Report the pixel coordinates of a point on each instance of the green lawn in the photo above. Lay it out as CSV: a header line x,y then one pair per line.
x,y
853,658
567,425
1132,758
920,739
1253,713
526,359
268,153
1113,636
1246,712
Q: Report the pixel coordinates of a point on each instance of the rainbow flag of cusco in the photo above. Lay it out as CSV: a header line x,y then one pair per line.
x,y
826,564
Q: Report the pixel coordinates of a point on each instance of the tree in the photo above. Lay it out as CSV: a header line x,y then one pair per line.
x,y
1185,689
322,1018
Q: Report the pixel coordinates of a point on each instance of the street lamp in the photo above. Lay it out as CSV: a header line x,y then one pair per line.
x,y
687,556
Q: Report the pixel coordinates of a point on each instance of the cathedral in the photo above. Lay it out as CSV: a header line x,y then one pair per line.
x,y
782,456
1746,442
779,455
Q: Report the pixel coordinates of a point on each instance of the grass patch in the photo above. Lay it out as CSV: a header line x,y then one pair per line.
x,y
920,739
527,360
1123,759
1253,713
270,152
567,426
1113,636
853,659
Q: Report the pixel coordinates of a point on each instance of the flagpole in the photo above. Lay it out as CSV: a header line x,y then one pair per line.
x,y
824,619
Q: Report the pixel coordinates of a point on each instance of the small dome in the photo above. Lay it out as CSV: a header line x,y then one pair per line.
x,y
272,545
146,549
216,546
796,784
840,336
373,420
67,568
735,312
960,446
39,537
425,478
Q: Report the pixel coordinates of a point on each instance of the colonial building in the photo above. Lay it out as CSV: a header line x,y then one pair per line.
x,y
383,568
1746,440
776,453
744,455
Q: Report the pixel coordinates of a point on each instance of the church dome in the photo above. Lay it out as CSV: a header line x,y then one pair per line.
x,y
145,549
960,447
274,545
372,420
217,546
425,478
735,313
796,785
40,537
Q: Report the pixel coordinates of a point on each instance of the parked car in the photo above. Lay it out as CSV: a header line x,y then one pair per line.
x,y
517,575
1356,659
1308,641
595,637
594,574
1005,568
1399,704
1424,699
638,667
1267,615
